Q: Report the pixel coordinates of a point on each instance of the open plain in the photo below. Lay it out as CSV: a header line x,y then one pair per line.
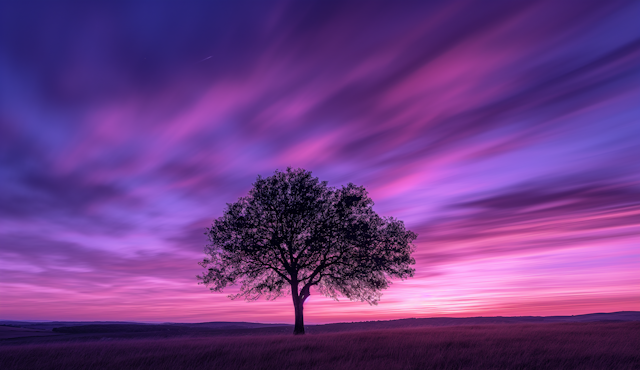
x,y
491,343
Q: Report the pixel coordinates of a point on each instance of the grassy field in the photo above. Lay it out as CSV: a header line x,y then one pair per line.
x,y
515,346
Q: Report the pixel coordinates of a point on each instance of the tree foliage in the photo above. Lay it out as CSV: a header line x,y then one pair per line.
x,y
293,232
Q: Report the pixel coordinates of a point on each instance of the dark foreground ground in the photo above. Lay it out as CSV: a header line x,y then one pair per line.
x,y
577,345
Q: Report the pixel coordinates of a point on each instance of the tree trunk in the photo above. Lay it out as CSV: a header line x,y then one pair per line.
x,y
298,328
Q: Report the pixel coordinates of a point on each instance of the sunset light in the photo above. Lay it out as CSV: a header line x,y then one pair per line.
x,y
505,134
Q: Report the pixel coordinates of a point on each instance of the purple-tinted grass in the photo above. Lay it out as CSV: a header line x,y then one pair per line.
x,y
518,346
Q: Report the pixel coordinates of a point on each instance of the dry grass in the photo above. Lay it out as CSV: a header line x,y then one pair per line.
x,y
520,346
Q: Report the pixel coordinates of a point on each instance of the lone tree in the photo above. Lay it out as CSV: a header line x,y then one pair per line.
x,y
293,231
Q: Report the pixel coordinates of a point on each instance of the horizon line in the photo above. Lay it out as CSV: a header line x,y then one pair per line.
x,y
279,323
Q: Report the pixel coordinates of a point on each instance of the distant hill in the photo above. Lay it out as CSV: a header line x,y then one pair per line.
x,y
25,331
454,321
112,326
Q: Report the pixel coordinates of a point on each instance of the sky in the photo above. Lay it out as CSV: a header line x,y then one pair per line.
x,y
506,134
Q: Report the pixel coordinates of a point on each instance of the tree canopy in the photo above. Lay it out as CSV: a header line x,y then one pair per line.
x,y
293,232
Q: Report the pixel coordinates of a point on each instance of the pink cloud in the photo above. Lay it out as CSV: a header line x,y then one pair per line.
x,y
504,136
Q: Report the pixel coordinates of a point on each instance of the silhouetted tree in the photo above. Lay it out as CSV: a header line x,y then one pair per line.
x,y
293,231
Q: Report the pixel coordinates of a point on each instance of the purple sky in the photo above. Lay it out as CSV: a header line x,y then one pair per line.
x,y
505,133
